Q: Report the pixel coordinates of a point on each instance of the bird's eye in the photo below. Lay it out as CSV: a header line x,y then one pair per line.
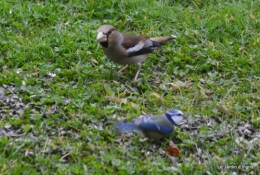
x,y
108,33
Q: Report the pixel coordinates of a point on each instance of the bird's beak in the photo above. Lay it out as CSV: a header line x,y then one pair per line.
x,y
101,37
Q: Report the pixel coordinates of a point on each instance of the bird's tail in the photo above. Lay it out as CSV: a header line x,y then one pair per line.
x,y
125,126
163,39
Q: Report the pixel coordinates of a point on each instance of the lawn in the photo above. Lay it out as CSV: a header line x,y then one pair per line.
x,y
60,96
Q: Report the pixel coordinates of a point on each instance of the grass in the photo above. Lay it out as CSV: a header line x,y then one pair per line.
x,y
65,125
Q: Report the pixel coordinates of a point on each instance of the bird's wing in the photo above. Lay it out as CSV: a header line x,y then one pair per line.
x,y
137,45
154,123
155,127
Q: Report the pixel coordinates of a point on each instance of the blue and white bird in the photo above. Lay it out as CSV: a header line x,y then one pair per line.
x,y
154,127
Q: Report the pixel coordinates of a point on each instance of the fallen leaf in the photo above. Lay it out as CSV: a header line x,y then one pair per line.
x,y
173,150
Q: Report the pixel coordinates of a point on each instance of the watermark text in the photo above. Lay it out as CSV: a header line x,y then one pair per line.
x,y
235,167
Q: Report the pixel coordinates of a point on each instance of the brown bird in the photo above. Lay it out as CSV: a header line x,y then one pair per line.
x,y
128,49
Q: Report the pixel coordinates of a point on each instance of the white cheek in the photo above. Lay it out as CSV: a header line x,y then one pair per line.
x,y
177,119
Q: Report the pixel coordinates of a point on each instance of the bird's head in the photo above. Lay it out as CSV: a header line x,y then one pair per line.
x,y
175,116
107,35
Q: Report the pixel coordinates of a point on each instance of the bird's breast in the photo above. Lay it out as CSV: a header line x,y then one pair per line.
x,y
153,135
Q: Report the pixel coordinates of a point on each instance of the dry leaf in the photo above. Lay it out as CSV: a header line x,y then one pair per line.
x,y
173,150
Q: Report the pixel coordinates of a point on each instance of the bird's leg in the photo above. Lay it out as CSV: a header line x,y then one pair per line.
x,y
123,69
137,73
